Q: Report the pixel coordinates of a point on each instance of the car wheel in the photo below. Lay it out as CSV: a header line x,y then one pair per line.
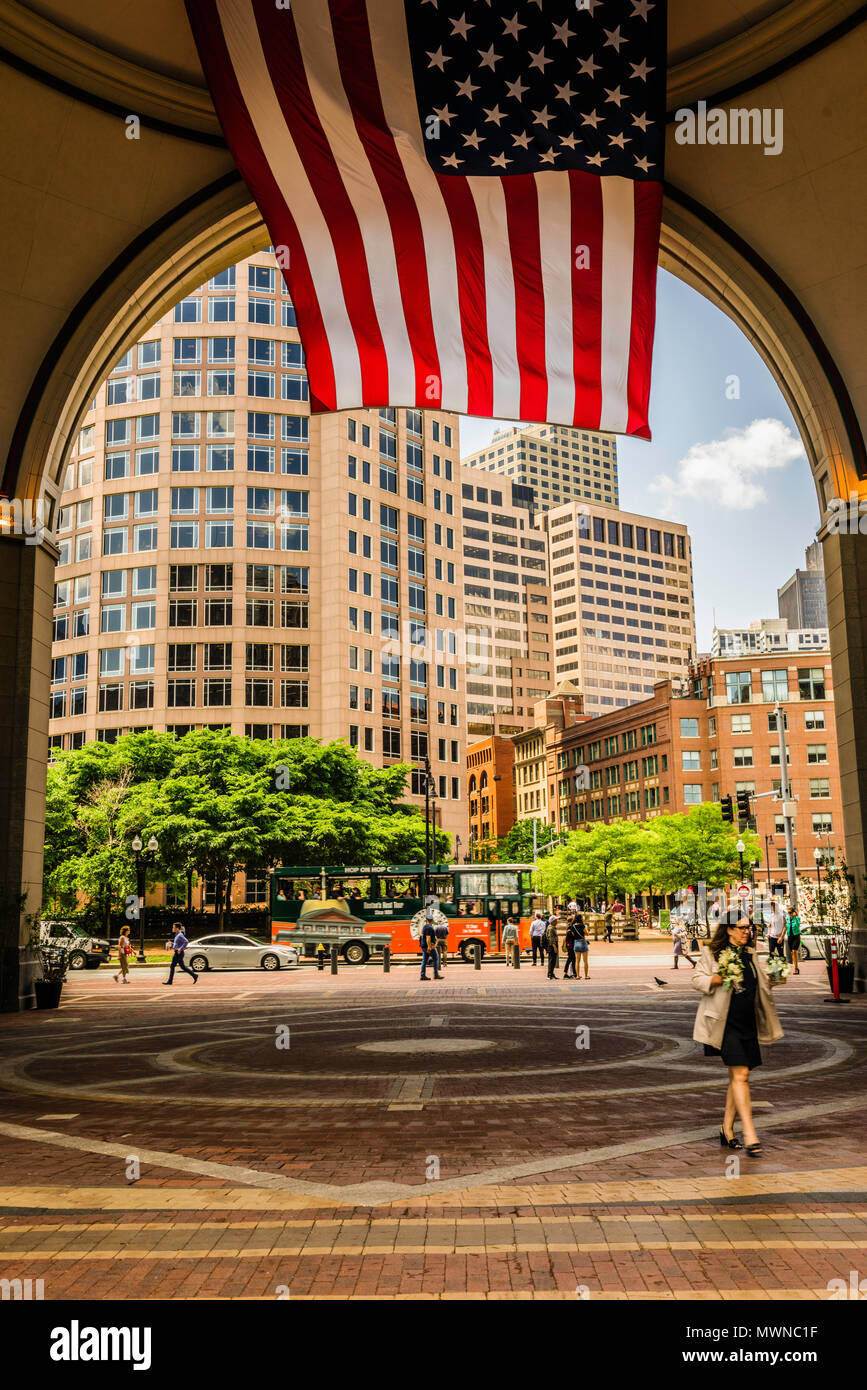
x,y
467,950
356,953
270,962
805,951
77,961
199,963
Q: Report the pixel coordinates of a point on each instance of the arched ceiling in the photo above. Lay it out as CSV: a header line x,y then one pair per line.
x,y
81,205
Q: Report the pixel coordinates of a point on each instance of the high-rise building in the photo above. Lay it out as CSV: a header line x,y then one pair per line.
x,y
802,600
506,603
228,560
556,462
621,600
767,635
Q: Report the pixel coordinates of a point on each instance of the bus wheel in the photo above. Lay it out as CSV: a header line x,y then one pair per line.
x,y
467,949
355,952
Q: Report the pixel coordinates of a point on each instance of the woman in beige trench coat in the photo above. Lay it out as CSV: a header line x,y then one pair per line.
x,y
731,1024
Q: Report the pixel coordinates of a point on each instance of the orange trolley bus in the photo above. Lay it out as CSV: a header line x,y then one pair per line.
x,y
365,908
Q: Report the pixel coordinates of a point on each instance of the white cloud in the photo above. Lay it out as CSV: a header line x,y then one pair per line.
x,y
727,472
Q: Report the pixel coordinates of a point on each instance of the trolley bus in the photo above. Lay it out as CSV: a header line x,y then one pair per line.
x,y
364,908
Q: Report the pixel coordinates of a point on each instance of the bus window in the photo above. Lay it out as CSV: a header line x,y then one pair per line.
x,y
473,885
470,907
444,887
402,887
503,882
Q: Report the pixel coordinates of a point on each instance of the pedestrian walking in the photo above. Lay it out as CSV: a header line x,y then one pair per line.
x,y
124,951
428,943
570,940
736,1013
510,938
582,945
552,946
776,931
678,937
441,931
793,936
179,944
608,919
538,927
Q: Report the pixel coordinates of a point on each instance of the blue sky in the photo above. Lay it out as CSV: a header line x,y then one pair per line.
x,y
731,466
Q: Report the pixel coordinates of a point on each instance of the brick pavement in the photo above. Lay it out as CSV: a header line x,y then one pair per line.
x,y
446,1140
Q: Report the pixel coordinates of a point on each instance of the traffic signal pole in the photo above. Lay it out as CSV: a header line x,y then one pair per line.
x,y
788,808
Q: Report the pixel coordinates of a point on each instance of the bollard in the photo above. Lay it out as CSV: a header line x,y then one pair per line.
x,y
386,959
320,957
477,955
517,960
334,959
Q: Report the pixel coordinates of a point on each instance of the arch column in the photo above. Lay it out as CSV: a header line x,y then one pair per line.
x,y
26,605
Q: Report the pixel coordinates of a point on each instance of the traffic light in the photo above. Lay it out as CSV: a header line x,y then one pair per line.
x,y
726,808
743,806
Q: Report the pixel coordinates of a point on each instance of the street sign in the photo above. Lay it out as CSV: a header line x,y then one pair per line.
x,y
744,890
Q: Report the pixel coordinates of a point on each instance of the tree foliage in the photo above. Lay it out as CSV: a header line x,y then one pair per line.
x,y
666,852
517,846
210,800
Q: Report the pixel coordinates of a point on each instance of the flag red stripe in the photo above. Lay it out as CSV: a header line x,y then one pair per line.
x,y
351,30
256,172
586,190
522,216
648,218
289,76
471,292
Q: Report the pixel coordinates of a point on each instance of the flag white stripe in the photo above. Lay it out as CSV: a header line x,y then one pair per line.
x,y
316,41
393,64
557,251
490,201
618,249
251,71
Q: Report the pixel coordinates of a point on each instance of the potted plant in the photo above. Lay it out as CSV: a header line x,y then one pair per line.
x,y
55,963
836,905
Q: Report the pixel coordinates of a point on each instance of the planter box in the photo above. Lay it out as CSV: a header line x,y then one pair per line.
x,y
48,993
846,974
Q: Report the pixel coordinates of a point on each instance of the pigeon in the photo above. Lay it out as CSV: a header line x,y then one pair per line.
x,y
661,983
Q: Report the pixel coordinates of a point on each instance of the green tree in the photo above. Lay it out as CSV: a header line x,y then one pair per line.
x,y
696,846
517,846
598,862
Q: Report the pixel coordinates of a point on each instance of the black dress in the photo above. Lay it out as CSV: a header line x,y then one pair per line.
x,y
740,1044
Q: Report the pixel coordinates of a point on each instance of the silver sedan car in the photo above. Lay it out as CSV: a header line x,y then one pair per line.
x,y
227,951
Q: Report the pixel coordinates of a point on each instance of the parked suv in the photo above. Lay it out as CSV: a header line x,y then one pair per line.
x,y
85,952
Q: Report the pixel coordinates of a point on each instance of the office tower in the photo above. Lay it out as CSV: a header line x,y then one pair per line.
x,y
621,601
802,599
228,560
558,463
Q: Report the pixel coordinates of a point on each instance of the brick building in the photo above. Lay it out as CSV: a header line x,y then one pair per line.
x,y
490,790
712,735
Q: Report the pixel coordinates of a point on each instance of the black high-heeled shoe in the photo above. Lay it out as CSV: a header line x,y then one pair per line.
x,y
755,1150
727,1143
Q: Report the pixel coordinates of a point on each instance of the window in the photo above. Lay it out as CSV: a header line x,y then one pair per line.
x,y
820,788
387,478
814,719
811,683
742,757
738,687
775,686
258,692
183,612
692,793
691,760
817,752
689,728
188,311
184,535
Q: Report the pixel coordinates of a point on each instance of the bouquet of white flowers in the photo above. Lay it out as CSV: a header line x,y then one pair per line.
x,y
777,968
730,965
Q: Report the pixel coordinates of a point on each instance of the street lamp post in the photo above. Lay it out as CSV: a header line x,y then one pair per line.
x,y
142,858
457,849
769,839
817,855
741,847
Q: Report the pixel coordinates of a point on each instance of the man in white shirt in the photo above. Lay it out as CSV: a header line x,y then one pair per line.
x,y
538,927
776,930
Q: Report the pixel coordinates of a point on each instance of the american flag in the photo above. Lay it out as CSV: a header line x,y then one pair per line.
x,y
464,195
